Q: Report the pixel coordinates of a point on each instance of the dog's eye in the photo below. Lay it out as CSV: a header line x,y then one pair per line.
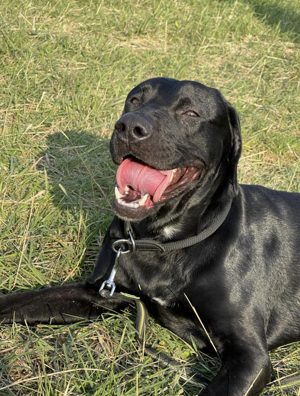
x,y
134,100
191,113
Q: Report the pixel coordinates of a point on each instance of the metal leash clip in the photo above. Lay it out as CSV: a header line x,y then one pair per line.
x,y
109,283
118,247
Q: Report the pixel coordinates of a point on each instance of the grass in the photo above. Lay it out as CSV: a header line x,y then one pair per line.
x,y
66,67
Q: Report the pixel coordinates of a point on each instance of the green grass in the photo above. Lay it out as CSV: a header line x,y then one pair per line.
x,y
66,67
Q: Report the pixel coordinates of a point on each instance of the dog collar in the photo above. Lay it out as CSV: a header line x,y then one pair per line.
x,y
146,244
132,245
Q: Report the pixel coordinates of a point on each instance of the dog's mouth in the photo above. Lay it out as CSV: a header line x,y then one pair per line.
x,y
140,186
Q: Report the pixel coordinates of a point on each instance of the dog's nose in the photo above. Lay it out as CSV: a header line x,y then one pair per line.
x,y
133,127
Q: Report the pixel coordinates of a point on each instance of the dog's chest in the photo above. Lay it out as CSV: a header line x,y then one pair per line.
x,y
155,278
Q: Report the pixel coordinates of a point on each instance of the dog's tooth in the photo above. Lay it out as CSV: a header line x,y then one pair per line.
x,y
143,200
173,174
133,204
117,193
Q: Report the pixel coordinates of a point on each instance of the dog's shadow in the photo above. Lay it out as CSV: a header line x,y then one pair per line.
x,y
80,169
80,178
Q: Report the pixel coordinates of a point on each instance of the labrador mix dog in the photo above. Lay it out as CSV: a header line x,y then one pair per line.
x,y
199,246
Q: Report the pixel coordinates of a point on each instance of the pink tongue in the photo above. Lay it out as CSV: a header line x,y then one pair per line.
x,y
143,179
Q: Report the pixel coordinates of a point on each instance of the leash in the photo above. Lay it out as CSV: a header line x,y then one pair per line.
x,y
162,358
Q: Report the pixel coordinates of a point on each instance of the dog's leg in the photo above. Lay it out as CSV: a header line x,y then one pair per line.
x,y
57,305
245,372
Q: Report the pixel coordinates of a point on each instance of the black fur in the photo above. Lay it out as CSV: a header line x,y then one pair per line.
x,y
243,281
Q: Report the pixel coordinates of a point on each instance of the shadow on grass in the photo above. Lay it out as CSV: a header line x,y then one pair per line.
x,y
278,16
80,171
80,178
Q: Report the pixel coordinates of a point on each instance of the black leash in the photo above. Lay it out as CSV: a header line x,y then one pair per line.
x,y
162,358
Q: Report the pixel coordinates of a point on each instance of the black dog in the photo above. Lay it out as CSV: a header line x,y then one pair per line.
x,y
197,241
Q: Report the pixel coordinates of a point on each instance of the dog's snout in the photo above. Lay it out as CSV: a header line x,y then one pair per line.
x,y
133,127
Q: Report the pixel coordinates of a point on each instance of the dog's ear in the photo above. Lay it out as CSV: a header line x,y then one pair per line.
x,y
236,144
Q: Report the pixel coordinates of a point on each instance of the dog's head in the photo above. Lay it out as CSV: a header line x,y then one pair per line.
x,y
173,136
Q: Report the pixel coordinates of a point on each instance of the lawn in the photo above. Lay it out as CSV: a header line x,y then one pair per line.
x,y
66,67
